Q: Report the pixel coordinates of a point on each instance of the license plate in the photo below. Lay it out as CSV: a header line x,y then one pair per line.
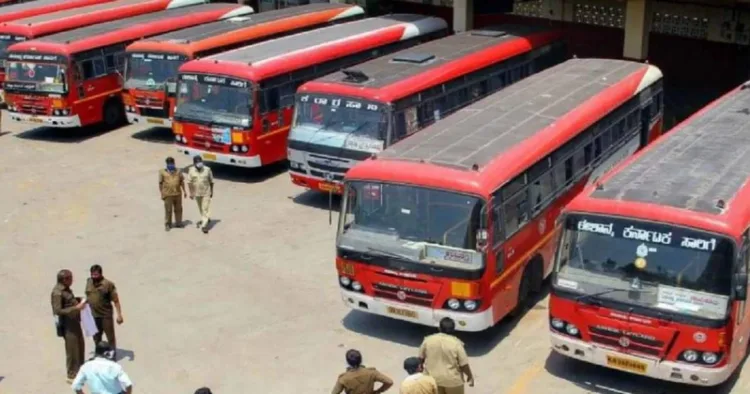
x,y
626,364
328,187
35,120
209,156
155,121
401,312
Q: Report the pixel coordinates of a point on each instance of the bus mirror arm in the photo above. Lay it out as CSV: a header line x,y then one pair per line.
x,y
740,286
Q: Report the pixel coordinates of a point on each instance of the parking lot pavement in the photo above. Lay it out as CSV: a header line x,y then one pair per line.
x,y
252,307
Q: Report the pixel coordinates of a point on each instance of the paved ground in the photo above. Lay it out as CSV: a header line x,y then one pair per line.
x,y
253,307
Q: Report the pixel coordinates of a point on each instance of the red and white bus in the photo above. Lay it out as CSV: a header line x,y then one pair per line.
x,y
152,64
12,10
343,118
458,219
32,27
651,271
236,108
74,78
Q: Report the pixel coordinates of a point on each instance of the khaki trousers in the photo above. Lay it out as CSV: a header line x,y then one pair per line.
x,y
74,349
172,203
204,207
451,390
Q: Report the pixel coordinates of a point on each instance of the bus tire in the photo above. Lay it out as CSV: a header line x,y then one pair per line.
x,y
524,290
537,274
114,113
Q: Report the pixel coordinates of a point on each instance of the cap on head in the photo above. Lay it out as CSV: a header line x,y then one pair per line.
x,y
102,348
170,160
197,159
353,358
413,365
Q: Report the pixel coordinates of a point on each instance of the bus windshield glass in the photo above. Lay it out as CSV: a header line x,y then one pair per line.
x,y
36,77
152,71
6,40
361,125
213,100
656,266
406,220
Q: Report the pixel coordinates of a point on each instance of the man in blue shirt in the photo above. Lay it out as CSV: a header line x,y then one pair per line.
x,y
102,375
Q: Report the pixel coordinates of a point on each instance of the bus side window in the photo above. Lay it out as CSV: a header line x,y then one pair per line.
x,y
87,69
516,212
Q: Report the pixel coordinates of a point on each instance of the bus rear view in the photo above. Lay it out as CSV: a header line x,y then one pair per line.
x,y
651,267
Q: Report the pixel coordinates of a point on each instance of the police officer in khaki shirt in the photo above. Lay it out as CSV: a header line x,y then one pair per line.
x,y
201,185
67,309
172,189
445,359
101,293
358,379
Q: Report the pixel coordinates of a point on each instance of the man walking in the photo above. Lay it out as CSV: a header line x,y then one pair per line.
x,y
101,293
358,379
67,311
417,382
172,189
102,375
201,185
445,359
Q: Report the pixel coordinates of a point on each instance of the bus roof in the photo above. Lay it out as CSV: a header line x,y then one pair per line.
x,y
123,30
411,70
480,147
270,58
695,175
232,31
37,7
55,22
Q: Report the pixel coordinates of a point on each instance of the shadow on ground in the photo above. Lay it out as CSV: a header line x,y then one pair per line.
x,y
245,175
409,334
601,380
69,136
159,135
315,199
125,353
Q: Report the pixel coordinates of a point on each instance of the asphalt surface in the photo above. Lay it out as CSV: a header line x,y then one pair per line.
x,y
252,307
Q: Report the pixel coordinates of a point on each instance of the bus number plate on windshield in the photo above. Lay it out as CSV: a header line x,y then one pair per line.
x,y
401,312
626,364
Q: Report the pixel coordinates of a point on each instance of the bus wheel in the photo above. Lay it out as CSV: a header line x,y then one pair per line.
x,y
537,274
114,115
524,289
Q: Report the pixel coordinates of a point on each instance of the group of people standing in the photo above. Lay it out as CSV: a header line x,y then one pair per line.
x,y
200,182
440,368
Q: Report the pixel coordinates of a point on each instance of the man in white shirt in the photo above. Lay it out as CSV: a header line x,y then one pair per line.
x,y
102,375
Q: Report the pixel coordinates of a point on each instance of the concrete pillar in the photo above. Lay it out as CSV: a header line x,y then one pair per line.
x,y
637,17
463,15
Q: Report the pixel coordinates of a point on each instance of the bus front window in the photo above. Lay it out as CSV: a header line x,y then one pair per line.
x,y
649,265
38,77
213,103
399,219
150,73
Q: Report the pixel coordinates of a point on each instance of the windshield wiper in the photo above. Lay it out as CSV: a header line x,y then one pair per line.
x,y
601,293
389,253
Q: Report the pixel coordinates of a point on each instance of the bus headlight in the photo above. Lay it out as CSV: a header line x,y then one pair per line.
x,y
710,357
571,329
244,148
470,305
557,323
56,112
454,304
356,286
235,148
690,356
345,281
64,112
178,138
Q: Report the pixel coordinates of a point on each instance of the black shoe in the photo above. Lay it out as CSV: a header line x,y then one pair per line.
x,y
205,230
179,225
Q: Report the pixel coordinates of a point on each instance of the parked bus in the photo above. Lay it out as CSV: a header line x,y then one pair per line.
x,y
12,10
235,108
54,22
651,270
152,64
343,118
74,78
458,219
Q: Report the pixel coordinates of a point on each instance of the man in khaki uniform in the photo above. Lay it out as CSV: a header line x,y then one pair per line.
x,y
201,185
101,293
417,382
172,189
358,379
445,359
67,311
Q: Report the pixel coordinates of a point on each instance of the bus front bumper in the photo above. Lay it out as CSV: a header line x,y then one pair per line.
x,y
315,183
473,322
222,158
52,121
664,370
148,120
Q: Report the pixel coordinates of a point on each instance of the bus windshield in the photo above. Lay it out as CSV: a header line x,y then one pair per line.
x,y
39,77
656,266
362,125
152,71
215,100
400,219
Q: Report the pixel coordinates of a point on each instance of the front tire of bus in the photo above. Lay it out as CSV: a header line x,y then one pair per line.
x,y
524,289
114,114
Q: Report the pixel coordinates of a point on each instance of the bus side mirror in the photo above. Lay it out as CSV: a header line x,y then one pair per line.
x,y
740,286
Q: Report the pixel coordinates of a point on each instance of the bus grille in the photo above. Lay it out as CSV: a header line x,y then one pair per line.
x,y
413,296
205,140
637,344
153,113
